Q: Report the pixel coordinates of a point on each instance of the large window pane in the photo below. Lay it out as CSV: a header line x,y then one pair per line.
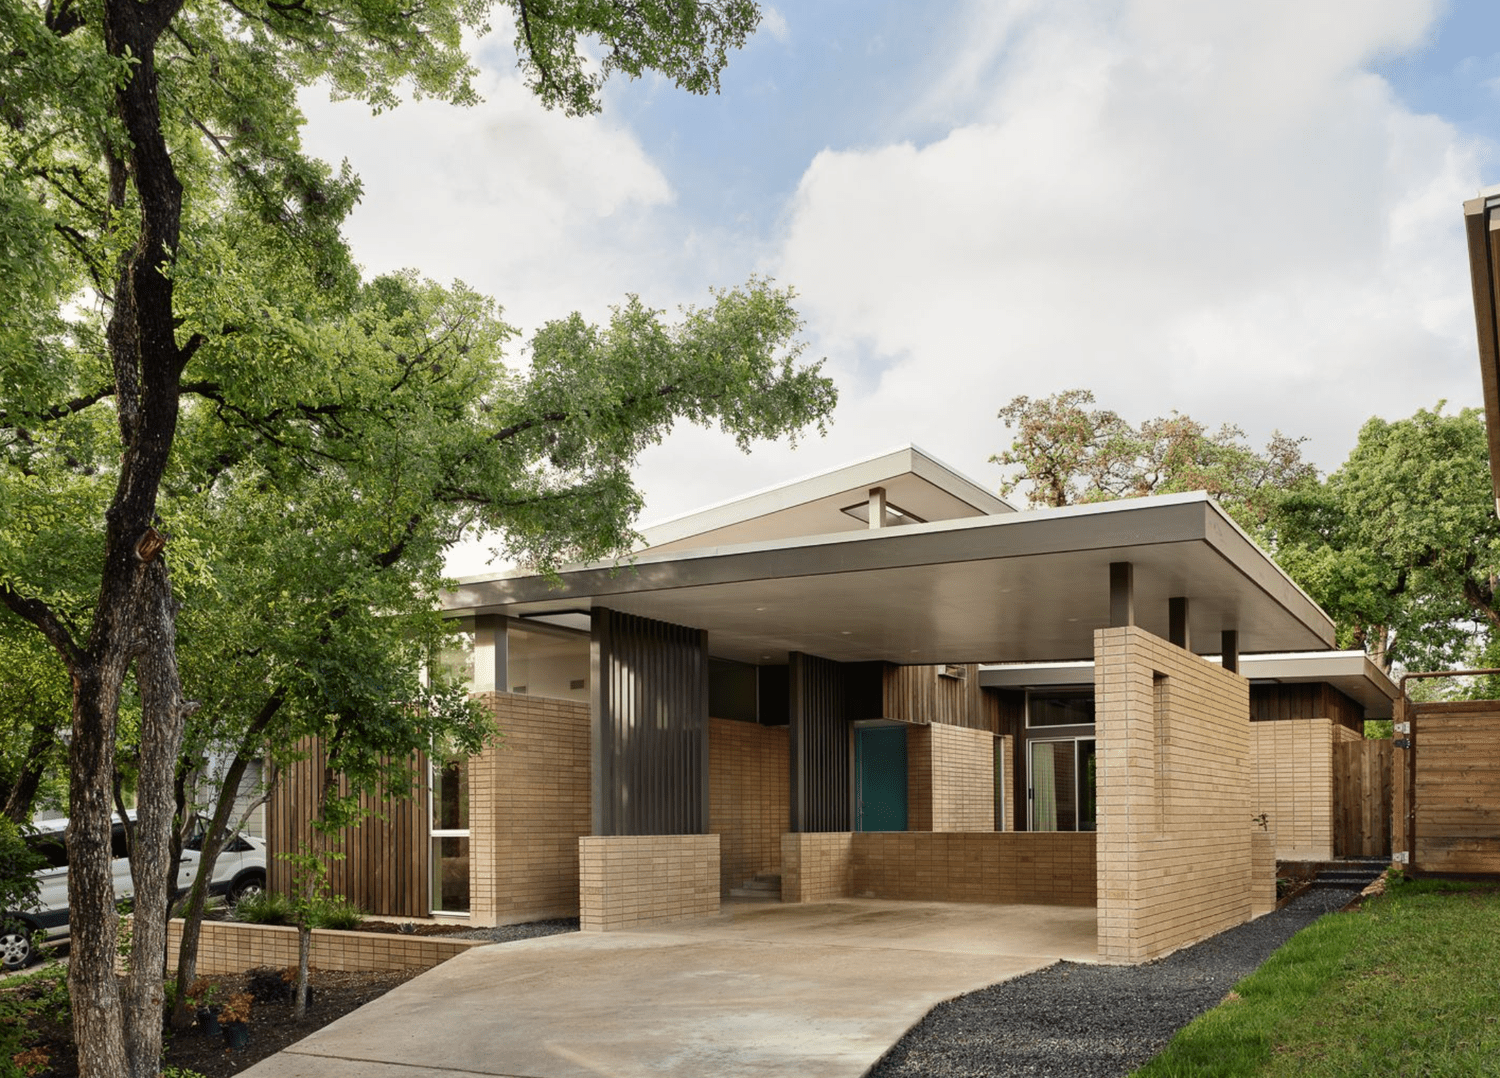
x,y
450,875
548,664
450,794
455,659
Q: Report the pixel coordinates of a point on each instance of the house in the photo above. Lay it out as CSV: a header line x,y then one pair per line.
x,y
819,682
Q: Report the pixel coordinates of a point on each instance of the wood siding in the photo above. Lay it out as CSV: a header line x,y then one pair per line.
x,y
385,865
1457,787
1276,703
1362,798
650,726
923,694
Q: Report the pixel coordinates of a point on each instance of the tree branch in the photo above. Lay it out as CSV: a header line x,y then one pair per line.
x,y
46,619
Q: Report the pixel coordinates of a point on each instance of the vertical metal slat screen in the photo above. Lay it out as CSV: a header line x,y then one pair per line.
x,y
819,744
650,717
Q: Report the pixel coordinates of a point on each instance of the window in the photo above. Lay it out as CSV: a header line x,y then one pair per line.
x,y
552,664
1066,707
450,834
1062,777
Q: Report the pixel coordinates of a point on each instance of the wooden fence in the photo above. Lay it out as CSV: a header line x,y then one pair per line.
x,y
1454,773
1362,790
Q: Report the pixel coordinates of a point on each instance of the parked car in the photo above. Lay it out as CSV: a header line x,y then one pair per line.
x,y
239,870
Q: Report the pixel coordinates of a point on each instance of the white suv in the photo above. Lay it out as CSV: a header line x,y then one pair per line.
x,y
240,870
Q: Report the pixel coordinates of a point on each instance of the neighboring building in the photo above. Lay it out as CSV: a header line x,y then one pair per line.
x,y
788,684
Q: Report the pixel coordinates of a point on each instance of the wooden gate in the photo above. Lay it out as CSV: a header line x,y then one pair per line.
x,y
1452,770
1362,798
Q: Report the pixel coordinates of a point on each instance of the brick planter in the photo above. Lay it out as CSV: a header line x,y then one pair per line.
x,y
230,947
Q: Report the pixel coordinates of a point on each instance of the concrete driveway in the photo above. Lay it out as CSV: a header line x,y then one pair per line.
x,y
821,989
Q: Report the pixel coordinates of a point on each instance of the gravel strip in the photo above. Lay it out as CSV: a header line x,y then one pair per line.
x,y
1087,1021
506,933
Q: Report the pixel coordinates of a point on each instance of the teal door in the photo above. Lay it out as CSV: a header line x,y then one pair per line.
x,y
880,778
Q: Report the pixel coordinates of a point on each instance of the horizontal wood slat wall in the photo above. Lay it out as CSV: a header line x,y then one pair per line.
x,y
1457,796
385,865
1362,798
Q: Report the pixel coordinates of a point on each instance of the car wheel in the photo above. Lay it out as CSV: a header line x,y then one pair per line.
x,y
16,951
252,883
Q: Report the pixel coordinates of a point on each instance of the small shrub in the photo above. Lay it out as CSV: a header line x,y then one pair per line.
x,y
335,913
265,908
170,1071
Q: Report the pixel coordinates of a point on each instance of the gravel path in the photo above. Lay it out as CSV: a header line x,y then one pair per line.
x,y
1086,1021
506,933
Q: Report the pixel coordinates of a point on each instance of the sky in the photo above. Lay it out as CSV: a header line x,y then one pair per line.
x,y
1247,213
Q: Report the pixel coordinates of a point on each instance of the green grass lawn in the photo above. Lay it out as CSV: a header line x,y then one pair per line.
x,y
1408,985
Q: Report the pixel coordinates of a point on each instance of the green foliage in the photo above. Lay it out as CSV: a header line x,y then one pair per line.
x,y
1065,452
336,912
1401,545
41,994
265,908
1372,992
18,887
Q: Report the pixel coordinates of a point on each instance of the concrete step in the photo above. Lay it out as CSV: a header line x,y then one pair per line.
x,y
763,888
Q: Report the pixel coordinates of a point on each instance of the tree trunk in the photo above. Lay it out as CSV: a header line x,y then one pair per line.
x,y
20,799
98,1032
192,915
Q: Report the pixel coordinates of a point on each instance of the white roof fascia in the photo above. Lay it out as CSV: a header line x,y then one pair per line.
x,y
859,475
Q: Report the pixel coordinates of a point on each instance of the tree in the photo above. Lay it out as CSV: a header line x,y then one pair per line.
x,y
1066,452
164,239
1401,544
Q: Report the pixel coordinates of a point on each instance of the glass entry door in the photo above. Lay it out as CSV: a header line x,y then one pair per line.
x,y
1062,785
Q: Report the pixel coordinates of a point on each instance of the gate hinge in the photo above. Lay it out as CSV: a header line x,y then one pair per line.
x,y
1402,742
1402,858
1403,728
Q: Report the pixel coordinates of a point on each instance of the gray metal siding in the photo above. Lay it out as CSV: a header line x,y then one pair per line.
x,y
650,719
819,744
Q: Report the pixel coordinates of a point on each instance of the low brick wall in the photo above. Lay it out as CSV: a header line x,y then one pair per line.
x,y
629,881
815,865
231,947
1045,868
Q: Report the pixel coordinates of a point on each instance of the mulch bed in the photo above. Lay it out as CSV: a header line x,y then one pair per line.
x,y
272,1028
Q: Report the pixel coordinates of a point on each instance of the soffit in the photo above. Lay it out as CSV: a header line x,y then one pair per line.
x,y
1022,586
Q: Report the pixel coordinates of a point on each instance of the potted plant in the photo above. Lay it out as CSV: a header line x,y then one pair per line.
x,y
201,995
234,1020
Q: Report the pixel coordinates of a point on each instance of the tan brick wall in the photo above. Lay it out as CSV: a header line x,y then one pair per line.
x,y
963,779
1046,868
919,777
1175,796
815,865
1293,769
626,881
1008,777
1262,870
748,794
231,947
528,806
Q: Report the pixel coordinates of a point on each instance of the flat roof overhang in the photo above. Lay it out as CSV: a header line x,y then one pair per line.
x,y
1351,672
1016,587
1482,226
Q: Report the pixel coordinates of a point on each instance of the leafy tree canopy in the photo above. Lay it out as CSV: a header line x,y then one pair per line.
x,y
1401,544
1065,452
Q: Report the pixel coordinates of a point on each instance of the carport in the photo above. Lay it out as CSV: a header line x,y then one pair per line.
x,y
819,989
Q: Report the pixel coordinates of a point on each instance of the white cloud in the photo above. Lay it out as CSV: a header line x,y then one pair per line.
x,y
773,23
1213,208
544,212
